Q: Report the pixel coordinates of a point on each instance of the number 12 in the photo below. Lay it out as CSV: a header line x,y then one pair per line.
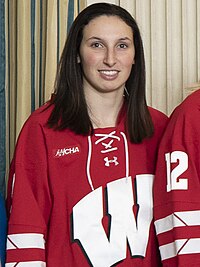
x,y
174,182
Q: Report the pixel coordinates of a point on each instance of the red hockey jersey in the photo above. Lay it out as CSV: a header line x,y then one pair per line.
x,y
177,187
78,201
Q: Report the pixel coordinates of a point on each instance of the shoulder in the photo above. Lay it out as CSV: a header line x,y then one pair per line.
x,y
40,115
193,98
37,119
34,127
160,121
189,107
157,114
188,110
183,124
31,142
159,118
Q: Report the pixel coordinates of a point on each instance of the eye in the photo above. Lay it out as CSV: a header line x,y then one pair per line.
x,y
123,46
96,45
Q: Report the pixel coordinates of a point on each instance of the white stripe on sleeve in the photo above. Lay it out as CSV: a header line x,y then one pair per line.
x,y
26,264
178,219
32,240
180,247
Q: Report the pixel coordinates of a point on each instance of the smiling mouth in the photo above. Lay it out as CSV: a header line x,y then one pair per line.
x,y
109,72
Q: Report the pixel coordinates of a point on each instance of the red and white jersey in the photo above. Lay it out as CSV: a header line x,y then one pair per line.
x,y
177,187
78,201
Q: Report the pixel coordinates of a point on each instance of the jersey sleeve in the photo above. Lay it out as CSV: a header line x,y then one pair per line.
x,y
177,192
28,200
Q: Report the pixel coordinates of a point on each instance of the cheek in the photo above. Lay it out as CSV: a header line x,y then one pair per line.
x,y
129,61
90,60
127,65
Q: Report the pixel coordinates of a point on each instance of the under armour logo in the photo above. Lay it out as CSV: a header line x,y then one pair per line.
x,y
114,160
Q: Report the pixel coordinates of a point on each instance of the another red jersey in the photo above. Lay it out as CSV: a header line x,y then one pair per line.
x,y
177,187
79,201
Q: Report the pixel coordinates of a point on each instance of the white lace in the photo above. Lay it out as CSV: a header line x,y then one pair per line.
x,y
107,148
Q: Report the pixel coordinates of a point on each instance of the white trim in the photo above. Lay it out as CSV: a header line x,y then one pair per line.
x,y
26,264
178,219
88,162
180,247
126,153
32,240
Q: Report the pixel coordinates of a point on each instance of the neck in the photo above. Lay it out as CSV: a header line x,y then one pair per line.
x,y
104,108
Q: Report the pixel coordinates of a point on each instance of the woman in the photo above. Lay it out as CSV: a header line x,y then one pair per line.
x,y
177,186
84,164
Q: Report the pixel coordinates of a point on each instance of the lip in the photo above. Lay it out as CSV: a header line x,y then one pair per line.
x,y
109,74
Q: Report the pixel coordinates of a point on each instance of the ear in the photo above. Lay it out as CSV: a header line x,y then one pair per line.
x,y
78,59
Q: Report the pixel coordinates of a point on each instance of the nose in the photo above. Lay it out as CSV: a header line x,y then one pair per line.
x,y
110,57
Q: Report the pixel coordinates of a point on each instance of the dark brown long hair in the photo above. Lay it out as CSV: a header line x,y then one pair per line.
x,y
70,108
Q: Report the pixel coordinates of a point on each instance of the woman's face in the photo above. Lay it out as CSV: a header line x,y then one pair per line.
x,y
106,54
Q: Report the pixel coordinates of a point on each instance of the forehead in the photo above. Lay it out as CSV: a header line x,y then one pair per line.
x,y
107,26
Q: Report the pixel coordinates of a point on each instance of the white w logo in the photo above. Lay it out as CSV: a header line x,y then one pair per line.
x,y
88,214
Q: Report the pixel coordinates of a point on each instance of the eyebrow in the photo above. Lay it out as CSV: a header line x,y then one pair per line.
x,y
98,38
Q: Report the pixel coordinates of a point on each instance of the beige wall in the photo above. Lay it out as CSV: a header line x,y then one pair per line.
x,y
171,35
